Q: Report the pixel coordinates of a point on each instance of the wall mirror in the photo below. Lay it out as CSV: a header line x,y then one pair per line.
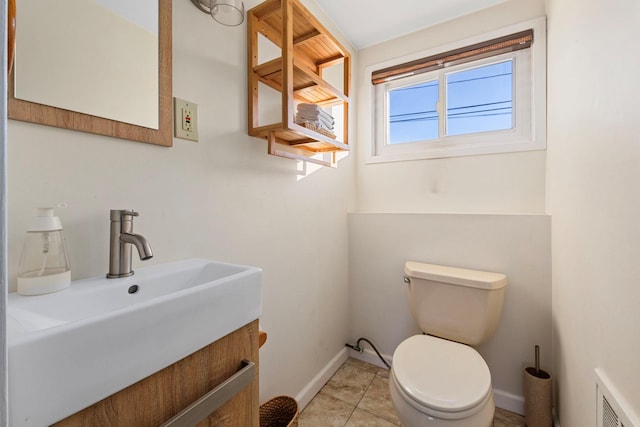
x,y
97,66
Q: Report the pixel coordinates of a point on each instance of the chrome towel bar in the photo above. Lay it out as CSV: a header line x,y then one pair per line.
x,y
210,402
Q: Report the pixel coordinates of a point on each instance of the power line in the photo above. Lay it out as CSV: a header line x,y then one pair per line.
x,y
412,114
482,115
463,115
470,115
451,109
422,86
432,115
481,78
479,111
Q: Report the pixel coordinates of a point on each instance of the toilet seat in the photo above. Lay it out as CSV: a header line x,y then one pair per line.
x,y
440,377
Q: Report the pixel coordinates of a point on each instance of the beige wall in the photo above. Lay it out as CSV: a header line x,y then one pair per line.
x,y
517,245
594,198
503,183
406,212
222,198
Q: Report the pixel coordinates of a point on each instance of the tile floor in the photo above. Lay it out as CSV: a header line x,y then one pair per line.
x,y
358,396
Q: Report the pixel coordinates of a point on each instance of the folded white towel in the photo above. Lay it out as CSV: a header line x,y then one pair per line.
x,y
306,117
319,121
315,123
313,112
317,114
306,106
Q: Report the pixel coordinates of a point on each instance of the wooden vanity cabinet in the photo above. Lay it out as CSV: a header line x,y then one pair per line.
x,y
159,397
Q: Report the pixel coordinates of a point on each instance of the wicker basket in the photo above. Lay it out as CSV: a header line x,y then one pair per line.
x,y
320,130
281,411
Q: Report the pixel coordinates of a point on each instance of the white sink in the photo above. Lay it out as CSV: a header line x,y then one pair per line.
x,y
72,348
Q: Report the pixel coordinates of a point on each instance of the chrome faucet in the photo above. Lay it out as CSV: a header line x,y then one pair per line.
x,y
120,244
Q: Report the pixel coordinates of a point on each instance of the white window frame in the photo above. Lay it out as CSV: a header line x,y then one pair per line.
x,y
529,101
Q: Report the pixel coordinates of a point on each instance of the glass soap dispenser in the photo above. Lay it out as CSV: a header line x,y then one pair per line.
x,y
44,264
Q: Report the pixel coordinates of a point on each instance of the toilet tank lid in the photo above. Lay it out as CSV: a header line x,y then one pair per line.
x,y
455,276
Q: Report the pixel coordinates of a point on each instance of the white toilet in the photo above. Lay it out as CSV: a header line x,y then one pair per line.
x,y
437,379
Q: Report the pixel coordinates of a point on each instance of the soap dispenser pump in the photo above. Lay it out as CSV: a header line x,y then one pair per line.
x,y
44,264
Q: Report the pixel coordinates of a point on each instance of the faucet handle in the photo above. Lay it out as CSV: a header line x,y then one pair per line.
x,y
119,214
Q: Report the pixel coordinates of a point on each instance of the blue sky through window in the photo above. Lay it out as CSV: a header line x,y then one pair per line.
x,y
478,100
413,116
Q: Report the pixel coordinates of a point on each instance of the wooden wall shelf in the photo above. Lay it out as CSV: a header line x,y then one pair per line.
x,y
308,48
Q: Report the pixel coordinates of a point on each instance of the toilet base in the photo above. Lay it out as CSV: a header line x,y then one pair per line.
x,y
412,417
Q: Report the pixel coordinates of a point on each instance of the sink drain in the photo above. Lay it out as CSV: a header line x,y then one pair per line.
x,y
133,289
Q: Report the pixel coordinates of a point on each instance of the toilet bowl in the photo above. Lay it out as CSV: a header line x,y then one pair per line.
x,y
438,379
435,382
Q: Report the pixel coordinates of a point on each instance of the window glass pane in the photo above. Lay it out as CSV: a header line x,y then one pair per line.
x,y
480,100
412,113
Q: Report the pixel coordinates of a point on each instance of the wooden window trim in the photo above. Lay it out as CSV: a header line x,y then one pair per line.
x,y
493,47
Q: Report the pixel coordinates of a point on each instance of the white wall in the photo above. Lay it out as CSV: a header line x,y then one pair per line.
x,y
4,399
222,198
594,197
517,245
385,233
504,183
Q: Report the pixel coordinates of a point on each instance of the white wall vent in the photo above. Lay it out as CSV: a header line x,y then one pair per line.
x,y
611,406
609,416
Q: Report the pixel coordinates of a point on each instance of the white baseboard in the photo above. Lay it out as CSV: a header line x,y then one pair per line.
x,y
311,389
508,401
503,399
370,356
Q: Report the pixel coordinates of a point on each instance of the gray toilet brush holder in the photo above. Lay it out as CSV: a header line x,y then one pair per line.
x,y
537,395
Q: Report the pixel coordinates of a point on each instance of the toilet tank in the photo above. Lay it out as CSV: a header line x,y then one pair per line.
x,y
455,303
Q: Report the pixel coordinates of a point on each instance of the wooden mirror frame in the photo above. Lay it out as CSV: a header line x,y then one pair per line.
x,y
27,111
11,34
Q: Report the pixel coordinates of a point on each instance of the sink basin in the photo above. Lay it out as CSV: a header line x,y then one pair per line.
x,y
72,348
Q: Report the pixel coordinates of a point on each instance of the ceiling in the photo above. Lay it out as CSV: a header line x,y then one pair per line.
x,y
369,22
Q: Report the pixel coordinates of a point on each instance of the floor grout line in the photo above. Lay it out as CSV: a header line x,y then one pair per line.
x,y
505,419
361,397
375,374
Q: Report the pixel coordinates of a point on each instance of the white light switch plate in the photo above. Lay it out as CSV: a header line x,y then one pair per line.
x,y
185,123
